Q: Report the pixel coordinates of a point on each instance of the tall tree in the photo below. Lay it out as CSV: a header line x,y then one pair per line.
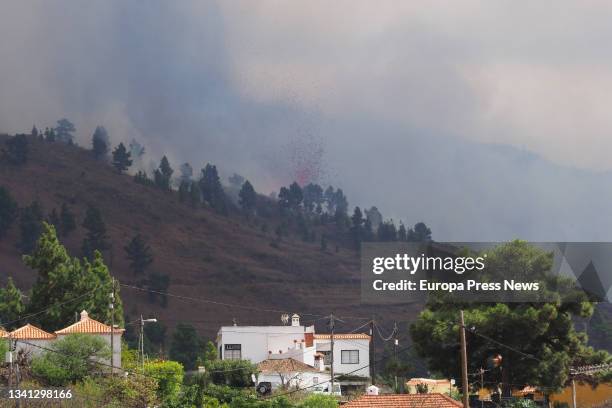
x,y
163,174
543,330
387,231
16,151
247,197
65,130
121,158
313,196
212,190
34,132
296,196
139,254
11,305
402,235
30,225
185,345
8,211
54,219
330,199
420,233
68,221
341,203
357,227
95,238
375,217
100,142
65,285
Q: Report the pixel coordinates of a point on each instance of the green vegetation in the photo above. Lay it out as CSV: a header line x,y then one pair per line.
x,y
543,333
139,254
62,278
95,238
71,359
11,305
121,158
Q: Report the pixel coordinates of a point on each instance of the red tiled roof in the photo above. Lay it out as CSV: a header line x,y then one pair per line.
x,y
404,401
3,333
340,336
284,365
29,332
88,325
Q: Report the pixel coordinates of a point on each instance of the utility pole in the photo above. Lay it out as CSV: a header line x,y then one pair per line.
x,y
142,323
395,344
464,370
331,327
112,333
372,353
574,405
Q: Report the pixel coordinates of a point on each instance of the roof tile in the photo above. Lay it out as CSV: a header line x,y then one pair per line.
x,y
88,325
404,401
29,332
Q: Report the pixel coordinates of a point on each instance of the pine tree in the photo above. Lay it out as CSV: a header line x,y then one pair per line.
x,y
313,196
95,238
68,221
295,195
121,158
34,132
64,130
402,235
420,233
8,211
11,305
30,225
356,228
65,285
212,190
247,197
139,254
163,174
100,142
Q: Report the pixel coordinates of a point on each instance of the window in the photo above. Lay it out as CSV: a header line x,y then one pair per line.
x,y
233,352
350,356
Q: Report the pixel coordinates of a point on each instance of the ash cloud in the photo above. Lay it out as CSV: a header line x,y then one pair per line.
x,y
456,117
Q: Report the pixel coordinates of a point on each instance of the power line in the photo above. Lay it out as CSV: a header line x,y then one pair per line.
x,y
51,307
235,305
333,378
499,343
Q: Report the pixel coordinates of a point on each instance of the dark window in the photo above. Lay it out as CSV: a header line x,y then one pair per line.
x,y
233,352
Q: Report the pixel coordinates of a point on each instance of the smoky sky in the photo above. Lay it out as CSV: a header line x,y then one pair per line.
x,y
488,121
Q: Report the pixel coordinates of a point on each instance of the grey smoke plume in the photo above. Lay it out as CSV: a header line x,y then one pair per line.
x,y
454,116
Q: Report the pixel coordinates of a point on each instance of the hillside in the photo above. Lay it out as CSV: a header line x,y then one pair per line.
x,y
207,256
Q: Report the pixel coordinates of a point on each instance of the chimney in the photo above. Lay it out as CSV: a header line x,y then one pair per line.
x,y
295,320
84,315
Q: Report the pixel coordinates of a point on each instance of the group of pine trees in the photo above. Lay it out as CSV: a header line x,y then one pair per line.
x,y
300,207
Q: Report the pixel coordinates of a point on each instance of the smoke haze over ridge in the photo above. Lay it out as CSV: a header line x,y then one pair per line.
x,y
488,122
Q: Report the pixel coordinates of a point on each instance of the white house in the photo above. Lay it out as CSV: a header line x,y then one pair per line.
x,y
297,342
290,373
35,340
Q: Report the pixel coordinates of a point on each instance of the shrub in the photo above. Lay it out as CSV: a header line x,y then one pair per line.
x,y
169,376
319,401
71,359
235,373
